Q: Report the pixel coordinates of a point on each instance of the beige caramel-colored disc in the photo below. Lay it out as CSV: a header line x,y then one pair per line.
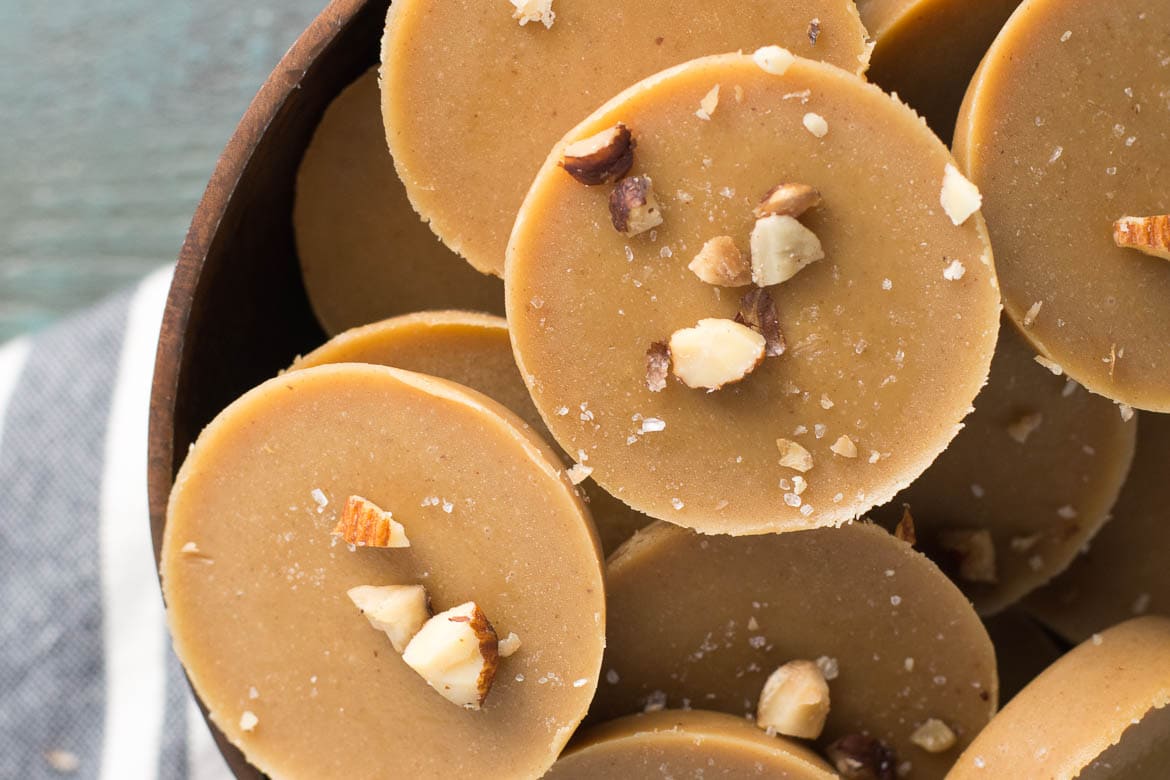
x,y
1022,650
889,337
1065,130
364,252
1038,466
473,350
473,101
686,743
1124,571
703,621
256,586
928,50
1095,697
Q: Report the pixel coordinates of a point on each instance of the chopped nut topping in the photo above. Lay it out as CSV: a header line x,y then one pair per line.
x,y
933,736
815,124
814,31
578,473
457,653
1032,313
795,701
1126,412
905,528
509,645
794,456
860,757
757,310
959,197
781,247
955,271
633,207
1150,235
789,200
1051,365
708,104
398,610
721,263
773,59
602,158
365,524
1025,426
845,447
249,721
975,551
715,353
534,11
657,366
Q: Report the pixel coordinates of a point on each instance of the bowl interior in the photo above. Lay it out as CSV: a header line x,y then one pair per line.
x,y
237,311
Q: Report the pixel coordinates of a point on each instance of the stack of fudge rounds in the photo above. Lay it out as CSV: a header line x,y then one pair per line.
x,y
792,444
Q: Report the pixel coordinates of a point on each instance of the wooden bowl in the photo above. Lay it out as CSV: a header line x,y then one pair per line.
x,y
237,311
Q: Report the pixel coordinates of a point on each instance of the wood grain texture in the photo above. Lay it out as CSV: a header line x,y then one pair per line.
x,y
114,115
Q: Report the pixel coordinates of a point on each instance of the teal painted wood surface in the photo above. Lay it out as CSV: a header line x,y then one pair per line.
x,y
112,115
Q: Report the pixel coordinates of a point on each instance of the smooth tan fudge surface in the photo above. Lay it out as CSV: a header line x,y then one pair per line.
x,y
1065,129
473,101
928,50
473,350
686,743
1042,499
1022,650
895,369
364,252
1142,754
1124,572
705,620
1078,708
260,616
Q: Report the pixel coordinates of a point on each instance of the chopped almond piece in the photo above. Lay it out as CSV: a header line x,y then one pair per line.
x,y
398,610
534,11
509,644
657,366
815,124
1150,235
633,207
934,736
794,456
249,721
844,447
781,247
757,310
788,200
365,524
602,158
715,353
975,551
795,701
773,59
959,197
457,653
905,528
708,104
1025,426
721,263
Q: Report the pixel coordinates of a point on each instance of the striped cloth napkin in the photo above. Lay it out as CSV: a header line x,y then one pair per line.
x,y
89,686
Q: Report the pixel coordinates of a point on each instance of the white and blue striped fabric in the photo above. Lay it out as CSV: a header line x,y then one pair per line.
x,y
89,686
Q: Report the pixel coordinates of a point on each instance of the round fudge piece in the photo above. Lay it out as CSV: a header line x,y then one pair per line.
x,y
364,252
1089,709
1064,130
473,350
474,97
1034,475
888,338
927,50
686,743
1123,572
703,621
256,586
